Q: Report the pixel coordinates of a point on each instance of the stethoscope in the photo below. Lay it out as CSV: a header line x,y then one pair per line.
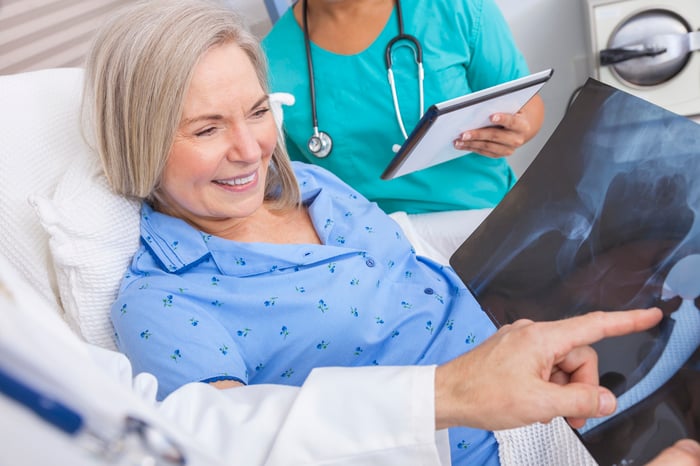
x,y
320,143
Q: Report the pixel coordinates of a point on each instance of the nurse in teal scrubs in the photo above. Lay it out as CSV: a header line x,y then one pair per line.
x,y
466,45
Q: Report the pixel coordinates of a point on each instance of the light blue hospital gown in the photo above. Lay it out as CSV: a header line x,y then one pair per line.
x,y
195,307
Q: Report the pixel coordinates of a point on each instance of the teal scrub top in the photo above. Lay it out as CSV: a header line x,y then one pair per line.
x,y
467,46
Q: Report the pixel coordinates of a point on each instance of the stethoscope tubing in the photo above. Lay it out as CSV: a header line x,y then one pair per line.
x,y
416,47
320,143
310,66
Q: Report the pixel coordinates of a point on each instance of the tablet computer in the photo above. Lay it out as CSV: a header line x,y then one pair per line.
x,y
430,143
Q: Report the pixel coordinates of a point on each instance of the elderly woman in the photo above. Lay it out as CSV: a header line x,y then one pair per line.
x,y
253,269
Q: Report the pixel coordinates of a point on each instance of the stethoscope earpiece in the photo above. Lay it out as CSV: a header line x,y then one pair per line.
x,y
320,144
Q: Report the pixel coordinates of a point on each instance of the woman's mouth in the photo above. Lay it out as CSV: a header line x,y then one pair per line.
x,y
239,180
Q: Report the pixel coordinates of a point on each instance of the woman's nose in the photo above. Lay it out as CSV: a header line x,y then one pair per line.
x,y
243,145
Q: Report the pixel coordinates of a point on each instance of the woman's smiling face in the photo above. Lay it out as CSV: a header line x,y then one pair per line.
x,y
217,167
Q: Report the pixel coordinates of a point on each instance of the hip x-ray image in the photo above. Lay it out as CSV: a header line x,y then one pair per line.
x,y
606,218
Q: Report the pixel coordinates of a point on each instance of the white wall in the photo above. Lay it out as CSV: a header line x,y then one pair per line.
x,y
551,34
256,14
37,34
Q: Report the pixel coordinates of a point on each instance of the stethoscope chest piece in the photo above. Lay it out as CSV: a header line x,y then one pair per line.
x,y
320,144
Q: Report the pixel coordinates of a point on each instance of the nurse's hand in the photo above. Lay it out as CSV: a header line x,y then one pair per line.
x,y
531,372
509,131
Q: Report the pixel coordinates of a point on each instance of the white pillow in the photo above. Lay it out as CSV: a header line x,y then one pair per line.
x,y
93,235
40,136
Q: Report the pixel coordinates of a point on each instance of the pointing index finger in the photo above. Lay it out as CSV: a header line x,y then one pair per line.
x,y
592,327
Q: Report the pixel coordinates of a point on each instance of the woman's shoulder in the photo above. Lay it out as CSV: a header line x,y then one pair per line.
x,y
312,178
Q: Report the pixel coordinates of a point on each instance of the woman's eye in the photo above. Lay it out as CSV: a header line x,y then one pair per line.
x,y
206,131
261,112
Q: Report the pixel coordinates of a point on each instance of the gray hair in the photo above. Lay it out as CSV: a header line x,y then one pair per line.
x,y
136,77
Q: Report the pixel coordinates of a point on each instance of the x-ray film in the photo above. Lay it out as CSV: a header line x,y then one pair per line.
x,y
606,218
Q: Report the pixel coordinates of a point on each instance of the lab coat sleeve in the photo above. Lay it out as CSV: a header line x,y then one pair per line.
x,y
340,416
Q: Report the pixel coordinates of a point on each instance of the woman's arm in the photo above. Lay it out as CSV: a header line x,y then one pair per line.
x,y
223,384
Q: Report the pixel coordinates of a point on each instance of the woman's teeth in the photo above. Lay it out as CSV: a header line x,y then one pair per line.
x,y
238,181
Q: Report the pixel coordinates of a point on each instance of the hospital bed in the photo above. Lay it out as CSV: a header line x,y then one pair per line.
x,y
65,241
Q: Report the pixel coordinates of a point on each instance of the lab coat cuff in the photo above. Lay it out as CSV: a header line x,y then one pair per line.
x,y
377,415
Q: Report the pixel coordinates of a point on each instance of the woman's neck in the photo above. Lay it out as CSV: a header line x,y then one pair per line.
x,y
345,27
265,225
290,226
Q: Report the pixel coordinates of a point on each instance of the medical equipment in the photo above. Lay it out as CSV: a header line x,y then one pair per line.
x,y
427,145
134,442
648,48
320,143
